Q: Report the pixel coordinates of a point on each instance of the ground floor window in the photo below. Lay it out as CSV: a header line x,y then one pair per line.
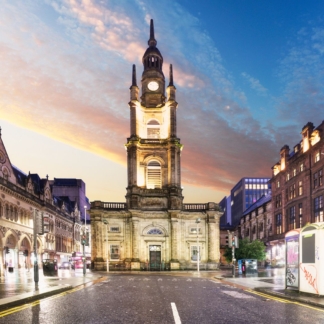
x,y
114,252
194,253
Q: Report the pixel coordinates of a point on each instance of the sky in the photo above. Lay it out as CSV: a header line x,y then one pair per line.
x,y
249,75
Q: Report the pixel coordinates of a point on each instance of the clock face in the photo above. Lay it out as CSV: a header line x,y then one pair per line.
x,y
153,86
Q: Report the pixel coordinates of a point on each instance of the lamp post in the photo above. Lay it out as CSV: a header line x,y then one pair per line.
x,y
106,223
36,275
85,238
198,254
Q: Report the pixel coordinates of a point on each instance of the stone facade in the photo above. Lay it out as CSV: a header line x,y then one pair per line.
x,y
154,229
20,195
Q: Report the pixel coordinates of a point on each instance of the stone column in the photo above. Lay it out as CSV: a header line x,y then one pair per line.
x,y
174,240
174,262
135,265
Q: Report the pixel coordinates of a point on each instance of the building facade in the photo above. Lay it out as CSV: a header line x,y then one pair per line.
x,y
244,194
154,229
297,185
21,195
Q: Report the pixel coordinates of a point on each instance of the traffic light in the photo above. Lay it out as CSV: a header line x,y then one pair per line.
x,y
26,253
83,239
7,249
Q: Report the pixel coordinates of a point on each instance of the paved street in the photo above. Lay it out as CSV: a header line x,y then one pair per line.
x,y
161,298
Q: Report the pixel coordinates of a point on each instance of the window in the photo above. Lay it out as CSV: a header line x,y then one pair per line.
x,y
114,252
292,218
301,167
317,157
294,172
318,178
194,253
278,201
153,129
193,230
155,231
153,175
278,223
278,184
292,191
261,227
300,211
287,177
114,229
318,209
300,188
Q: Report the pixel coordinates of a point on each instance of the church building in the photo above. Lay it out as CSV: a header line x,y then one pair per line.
x,y
154,229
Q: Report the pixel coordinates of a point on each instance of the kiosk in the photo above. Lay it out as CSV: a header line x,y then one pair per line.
x,y
311,269
292,259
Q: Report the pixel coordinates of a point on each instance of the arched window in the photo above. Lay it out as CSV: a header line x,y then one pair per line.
x,y
153,175
153,129
155,231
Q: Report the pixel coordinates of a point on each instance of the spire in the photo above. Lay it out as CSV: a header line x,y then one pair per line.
x,y
134,83
152,41
171,76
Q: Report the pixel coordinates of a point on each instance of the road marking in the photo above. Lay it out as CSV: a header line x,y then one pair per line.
x,y
175,314
237,294
281,300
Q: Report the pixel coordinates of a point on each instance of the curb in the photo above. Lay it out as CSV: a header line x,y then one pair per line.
x,y
16,301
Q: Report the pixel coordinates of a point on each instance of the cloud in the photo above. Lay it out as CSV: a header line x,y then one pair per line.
x,y
67,75
255,84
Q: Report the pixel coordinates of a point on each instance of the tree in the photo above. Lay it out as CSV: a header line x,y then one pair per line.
x,y
247,250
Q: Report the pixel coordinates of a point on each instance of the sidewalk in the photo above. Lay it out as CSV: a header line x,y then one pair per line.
x,y
271,282
19,288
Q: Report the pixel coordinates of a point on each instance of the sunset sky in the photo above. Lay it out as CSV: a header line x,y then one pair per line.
x,y
249,75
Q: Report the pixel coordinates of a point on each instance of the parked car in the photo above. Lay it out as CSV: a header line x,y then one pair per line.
x,y
64,265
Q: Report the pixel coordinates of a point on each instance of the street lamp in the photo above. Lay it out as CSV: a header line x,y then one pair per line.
x,y
85,237
106,223
197,222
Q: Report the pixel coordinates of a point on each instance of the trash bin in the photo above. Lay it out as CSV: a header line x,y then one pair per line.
x,y
11,269
248,266
50,267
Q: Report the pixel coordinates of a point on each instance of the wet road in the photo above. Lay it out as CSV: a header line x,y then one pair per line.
x,y
161,299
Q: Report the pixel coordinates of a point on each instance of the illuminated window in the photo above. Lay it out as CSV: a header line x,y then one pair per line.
x,y
301,167
292,218
287,177
318,209
294,172
300,208
153,129
317,157
153,175
300,188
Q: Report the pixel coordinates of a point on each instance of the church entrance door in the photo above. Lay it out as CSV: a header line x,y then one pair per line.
x,y
155,257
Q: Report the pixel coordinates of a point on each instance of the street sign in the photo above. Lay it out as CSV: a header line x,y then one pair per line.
x,y
39,223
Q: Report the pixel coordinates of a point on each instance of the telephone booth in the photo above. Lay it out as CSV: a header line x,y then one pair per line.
x,y
292,259
311,278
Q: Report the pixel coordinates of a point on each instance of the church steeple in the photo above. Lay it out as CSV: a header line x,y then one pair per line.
x,y
152,41
152,58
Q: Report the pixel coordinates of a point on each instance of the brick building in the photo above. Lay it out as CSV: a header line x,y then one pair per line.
x,y
297,186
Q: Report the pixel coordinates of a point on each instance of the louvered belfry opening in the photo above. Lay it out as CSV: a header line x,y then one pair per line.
x,y
154,175
153,129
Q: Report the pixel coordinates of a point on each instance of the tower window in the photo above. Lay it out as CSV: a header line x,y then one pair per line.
x,y
153,175
153,129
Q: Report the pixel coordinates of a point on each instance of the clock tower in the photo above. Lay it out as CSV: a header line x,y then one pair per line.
x,y
153,148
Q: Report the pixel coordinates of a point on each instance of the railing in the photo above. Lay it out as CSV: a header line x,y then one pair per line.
x,y
108,205
195,206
